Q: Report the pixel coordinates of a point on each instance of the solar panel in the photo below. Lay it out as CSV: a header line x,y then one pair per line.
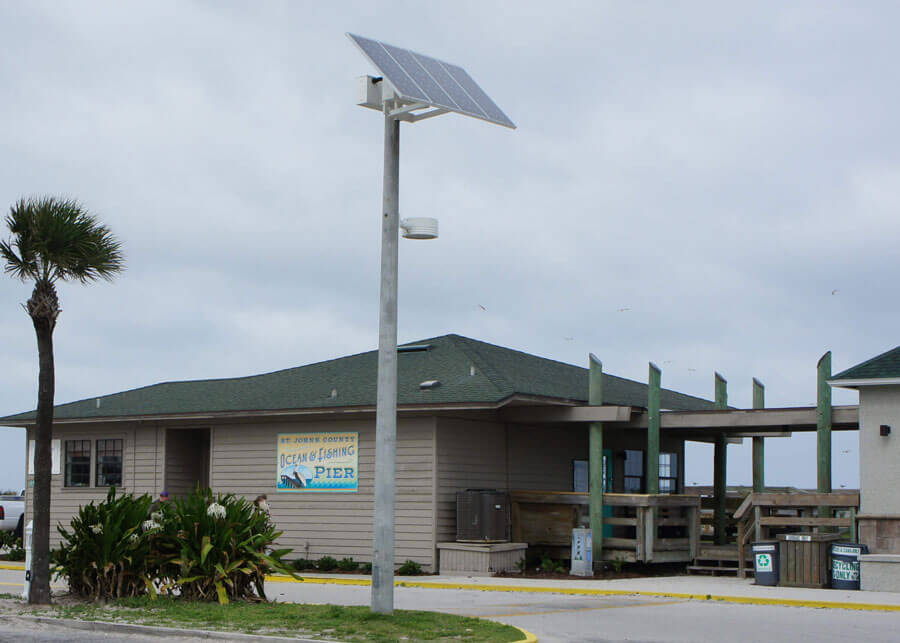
x,y
422,79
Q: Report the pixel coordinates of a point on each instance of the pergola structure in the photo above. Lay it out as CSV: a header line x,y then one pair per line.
x,y
720,426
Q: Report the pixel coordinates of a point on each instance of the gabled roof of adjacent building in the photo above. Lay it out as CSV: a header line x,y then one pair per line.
x,y
467,371
881,369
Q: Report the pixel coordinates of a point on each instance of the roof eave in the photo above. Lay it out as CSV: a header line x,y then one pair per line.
x,y
343,411
865,381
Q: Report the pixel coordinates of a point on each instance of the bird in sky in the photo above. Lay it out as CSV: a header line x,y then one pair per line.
x,y
622,310
834,292
482,307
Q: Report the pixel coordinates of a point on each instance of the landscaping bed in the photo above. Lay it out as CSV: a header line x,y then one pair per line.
x,y
326,622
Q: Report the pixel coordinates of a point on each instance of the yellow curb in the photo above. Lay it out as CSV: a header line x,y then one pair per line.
x,y
529,637
746,600
18,567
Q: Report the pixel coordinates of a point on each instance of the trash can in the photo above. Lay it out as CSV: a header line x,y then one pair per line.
x,y
845,564
765,562
804,559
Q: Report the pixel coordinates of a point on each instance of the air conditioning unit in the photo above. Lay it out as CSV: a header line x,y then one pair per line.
x,y
482,516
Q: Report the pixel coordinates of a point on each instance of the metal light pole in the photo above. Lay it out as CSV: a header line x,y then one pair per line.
x,y
413,88
386,407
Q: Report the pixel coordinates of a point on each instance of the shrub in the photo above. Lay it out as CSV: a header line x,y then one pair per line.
x,y
327,563
366,568
107,554
410,568
217,547
300,564
16,552
7,539
347,565
201,547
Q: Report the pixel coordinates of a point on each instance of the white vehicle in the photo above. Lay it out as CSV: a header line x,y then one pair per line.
x,y
12,514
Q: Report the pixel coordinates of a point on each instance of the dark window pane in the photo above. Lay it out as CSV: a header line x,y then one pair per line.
x,y
78,463
109,463
634,471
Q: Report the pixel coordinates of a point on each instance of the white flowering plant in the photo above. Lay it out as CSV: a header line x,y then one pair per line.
x,y
102,554
197,546
218,547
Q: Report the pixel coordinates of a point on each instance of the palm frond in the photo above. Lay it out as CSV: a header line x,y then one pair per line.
x,y
58,239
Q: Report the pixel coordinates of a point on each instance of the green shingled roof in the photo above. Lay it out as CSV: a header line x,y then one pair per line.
x,y
468,371
884,366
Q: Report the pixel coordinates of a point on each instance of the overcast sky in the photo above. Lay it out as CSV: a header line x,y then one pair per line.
x,y
707,185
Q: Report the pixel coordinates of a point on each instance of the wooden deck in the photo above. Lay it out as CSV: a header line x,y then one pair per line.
x,y
642,528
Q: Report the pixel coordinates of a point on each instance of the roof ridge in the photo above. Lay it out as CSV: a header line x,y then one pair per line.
x,y
483,364
516,350
865,363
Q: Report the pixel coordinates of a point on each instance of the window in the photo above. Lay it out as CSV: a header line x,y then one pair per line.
x,y
581,475
78,463
634,471
109,463
668,473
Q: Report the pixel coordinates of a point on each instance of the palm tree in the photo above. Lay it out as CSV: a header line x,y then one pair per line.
x,y
51,240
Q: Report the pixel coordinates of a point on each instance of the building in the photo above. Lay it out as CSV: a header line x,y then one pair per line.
x,y
470,415
878,383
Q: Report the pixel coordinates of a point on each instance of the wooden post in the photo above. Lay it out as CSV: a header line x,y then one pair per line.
x,y
595,462
653,395
649,535
759,442
823,423
720,477
694,530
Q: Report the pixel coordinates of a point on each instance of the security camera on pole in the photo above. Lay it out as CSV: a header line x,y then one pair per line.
x,y
412,87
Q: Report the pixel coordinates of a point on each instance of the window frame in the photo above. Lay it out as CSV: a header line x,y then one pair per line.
x,y
98,465
67,464
672,467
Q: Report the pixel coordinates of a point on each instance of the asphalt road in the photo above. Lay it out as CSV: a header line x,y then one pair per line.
x,y
570,618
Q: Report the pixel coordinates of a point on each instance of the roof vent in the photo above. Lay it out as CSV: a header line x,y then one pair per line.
x,y
98,402
413,348
472,370
429,384
333,393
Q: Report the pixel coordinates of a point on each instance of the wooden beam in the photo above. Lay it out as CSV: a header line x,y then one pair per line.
x,y
654,380
720,476
759,442
595,462
738,421
547,414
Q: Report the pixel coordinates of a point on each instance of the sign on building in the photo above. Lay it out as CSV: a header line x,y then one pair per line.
x,y
316,462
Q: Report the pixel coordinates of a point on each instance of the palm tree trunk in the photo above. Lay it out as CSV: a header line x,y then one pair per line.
x,y
43,300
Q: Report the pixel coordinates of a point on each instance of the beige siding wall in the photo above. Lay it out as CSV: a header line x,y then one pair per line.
x,y
65,501
335,524
471,455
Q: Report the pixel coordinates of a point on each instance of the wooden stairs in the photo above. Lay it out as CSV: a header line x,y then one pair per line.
x,y
720,560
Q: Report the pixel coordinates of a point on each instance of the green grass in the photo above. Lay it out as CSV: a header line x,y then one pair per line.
x,y
288,619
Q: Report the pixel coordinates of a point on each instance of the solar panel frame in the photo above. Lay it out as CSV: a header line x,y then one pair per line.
x,y
422,79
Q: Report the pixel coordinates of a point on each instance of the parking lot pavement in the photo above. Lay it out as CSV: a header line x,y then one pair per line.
x,y
558,617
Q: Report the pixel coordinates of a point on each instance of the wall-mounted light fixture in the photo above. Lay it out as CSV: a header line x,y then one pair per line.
x,y
885,430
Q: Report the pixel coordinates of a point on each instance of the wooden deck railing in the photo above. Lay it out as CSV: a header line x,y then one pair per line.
x,y
762,513
644,528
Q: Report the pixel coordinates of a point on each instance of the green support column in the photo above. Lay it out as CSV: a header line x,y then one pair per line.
x,y
759,442
595,464
823,428
720,477
653,393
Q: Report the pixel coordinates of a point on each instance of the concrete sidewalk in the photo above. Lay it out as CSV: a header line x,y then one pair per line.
x,y
732,590
727,589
